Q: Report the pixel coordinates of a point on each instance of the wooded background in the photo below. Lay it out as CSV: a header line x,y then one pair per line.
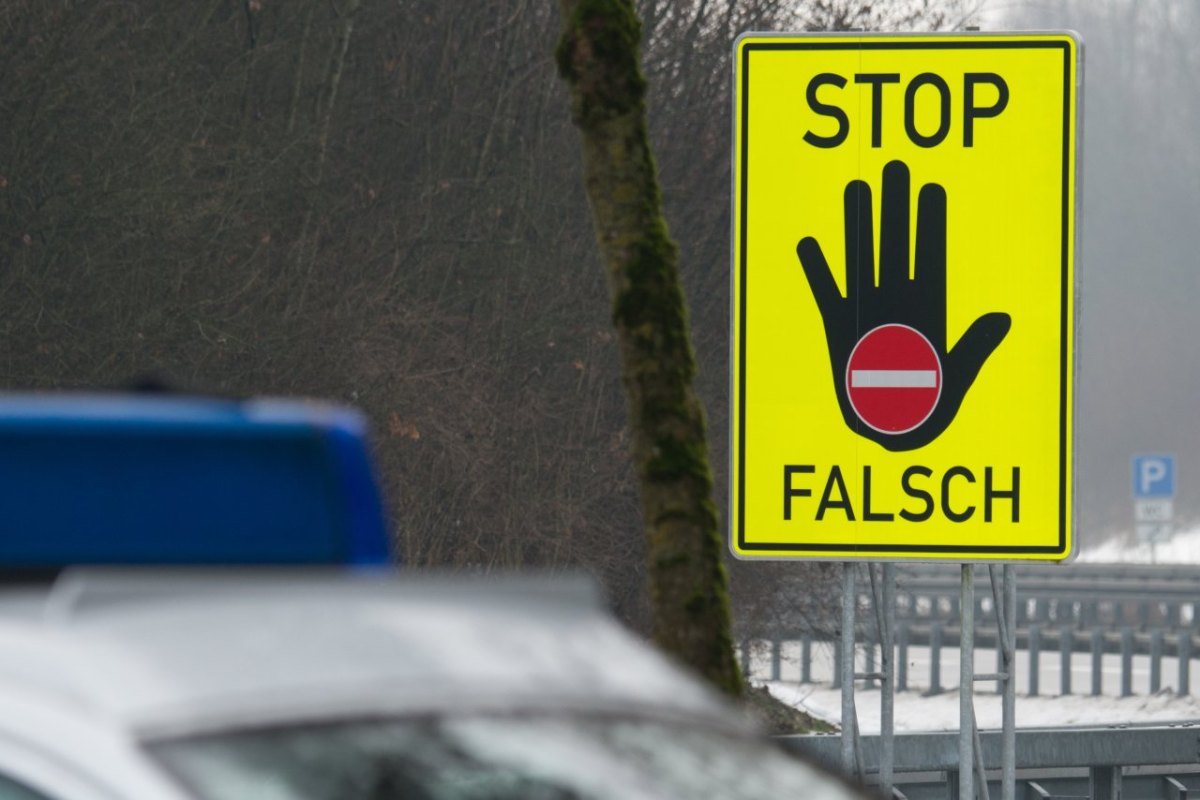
x,y
379,203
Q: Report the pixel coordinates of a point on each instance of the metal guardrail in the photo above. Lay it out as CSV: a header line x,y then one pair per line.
x,y
1081,595
1077,570
1129,762
1038,647
1107,762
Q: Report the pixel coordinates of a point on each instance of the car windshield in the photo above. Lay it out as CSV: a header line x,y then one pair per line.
x,y
478,758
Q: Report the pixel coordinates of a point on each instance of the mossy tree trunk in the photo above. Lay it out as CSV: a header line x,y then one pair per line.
x,y
598,56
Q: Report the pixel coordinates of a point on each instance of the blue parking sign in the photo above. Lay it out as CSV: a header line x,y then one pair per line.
x,y
1154,476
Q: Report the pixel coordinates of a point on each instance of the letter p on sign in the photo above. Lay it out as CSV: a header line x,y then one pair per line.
x,y
1154,476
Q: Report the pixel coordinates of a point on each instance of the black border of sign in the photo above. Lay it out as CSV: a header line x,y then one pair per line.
x,y
872,550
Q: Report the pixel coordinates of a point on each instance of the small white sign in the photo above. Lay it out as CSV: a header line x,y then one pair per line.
x,y
1157,510
1154,532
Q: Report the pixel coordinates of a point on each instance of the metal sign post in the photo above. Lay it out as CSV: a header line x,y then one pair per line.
x,y
883,601
970,780
849,715
1006,614
966,685
887,639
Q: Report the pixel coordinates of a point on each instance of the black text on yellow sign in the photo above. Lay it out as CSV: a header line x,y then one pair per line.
x,y
904,296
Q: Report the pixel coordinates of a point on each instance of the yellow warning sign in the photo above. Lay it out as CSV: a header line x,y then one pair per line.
x,y
904,296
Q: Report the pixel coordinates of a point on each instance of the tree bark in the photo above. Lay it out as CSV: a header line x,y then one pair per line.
x,y
598,57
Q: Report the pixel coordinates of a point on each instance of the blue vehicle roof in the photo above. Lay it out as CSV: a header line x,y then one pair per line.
x,y
179,480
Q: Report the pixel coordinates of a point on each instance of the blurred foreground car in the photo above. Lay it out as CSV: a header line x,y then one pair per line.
x,y
239,680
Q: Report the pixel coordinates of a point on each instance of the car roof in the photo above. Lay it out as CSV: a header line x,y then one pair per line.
x,y
168,653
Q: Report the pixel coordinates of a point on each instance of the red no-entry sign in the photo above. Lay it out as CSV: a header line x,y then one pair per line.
x,y
893,378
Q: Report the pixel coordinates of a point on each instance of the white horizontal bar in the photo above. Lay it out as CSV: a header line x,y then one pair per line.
x,y
893,378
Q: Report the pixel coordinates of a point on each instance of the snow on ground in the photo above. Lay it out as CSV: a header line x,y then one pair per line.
x,y
1184,548
916,712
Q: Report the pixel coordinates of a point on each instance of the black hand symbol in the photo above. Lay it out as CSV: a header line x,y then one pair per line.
x,y
918,302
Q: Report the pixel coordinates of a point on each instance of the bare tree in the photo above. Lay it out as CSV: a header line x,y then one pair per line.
x,y
377,202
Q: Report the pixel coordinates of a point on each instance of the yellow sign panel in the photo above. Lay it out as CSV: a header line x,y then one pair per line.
x,y
904,296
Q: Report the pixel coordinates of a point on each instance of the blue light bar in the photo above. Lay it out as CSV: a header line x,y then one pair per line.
x,y
174,480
